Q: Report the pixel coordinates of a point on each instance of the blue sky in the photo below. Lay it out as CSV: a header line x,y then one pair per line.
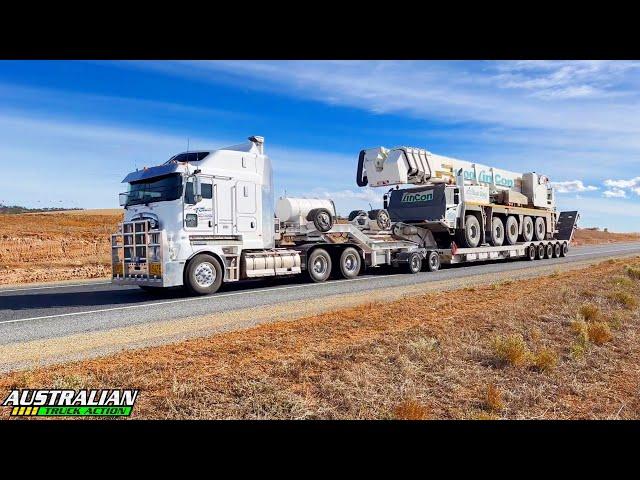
x,y
70,131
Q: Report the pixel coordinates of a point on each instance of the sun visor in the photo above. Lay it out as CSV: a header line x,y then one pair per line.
x,y
153,172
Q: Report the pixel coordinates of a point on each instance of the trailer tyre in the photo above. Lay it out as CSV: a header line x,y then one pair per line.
x,y
470,236
350,263
203,275
531,252
414,263
564,250
511,230
319,265
527,229
540,230
321,218
540,252
548,251
433,262
497,232
557,250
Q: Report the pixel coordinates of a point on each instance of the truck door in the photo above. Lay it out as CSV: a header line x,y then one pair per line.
x,y
198,217
224,207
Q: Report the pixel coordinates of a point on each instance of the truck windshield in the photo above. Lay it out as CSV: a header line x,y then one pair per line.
x,y
158,189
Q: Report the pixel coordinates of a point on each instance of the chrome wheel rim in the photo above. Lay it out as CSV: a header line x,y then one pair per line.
x,y
205,275
350,263
414,262
324,220
320,265
433,261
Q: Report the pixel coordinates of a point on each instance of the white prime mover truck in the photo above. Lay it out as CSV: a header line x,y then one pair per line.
x,y
205,218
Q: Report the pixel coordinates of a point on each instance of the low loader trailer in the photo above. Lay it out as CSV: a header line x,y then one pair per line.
x,y
205,218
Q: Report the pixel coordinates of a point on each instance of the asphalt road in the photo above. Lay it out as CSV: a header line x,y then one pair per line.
x,y
46,312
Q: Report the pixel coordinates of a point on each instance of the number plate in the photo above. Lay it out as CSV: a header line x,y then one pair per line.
x,y
155,269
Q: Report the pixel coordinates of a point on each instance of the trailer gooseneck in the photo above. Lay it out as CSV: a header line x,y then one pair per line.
x,y
204,218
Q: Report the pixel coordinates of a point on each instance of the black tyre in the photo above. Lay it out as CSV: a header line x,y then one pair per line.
x,y
531,252
548,251
350,263
564,249
356,213
433,262
414,264
496,236
540,230
557,250
321,218
470,236
203,275
319,265
511,230
527,229
382,218
540,252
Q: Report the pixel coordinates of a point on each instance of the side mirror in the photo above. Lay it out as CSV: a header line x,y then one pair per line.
x,y
197,189
123,197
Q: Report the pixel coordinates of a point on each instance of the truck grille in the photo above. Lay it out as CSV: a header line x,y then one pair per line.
x,y
136,251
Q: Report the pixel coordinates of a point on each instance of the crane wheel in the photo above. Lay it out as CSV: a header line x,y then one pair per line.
x,y
540,230
469,236
382,218
356,213
511,230
527,229
497,232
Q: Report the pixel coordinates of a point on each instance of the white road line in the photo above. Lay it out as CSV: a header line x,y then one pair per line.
x,y
231,294
193,299
61,285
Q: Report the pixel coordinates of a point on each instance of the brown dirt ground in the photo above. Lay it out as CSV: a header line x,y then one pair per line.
x,y
46,247
565,346
74,245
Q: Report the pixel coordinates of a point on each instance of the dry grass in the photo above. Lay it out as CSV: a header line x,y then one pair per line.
x,y
429,356
599,332
56,246
590,312
625,299
633,272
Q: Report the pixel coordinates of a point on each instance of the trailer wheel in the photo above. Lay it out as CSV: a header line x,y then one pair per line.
x,y
564,250
527,229
549,251
531,252
511,230
350,263
414,264
203,275
557,250
433,262
497,232
540,252
541,229
321,218
319,265
470,235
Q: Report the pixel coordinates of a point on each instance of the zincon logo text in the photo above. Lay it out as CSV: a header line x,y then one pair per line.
x,y
414,197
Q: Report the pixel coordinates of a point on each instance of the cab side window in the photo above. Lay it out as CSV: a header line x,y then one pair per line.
x,y
205,188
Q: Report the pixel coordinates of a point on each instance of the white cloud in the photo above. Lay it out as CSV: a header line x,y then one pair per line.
x,y
623,183
614,193
572,186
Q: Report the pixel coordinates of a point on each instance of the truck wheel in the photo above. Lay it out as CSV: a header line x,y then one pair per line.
x,y
527,229
531,252
350,263
319,265
356,213
564,250
511,230
414,264
433,262
549,251
381,216
470,235
497,232
321,218
203,275
540,230
540,252
557,250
